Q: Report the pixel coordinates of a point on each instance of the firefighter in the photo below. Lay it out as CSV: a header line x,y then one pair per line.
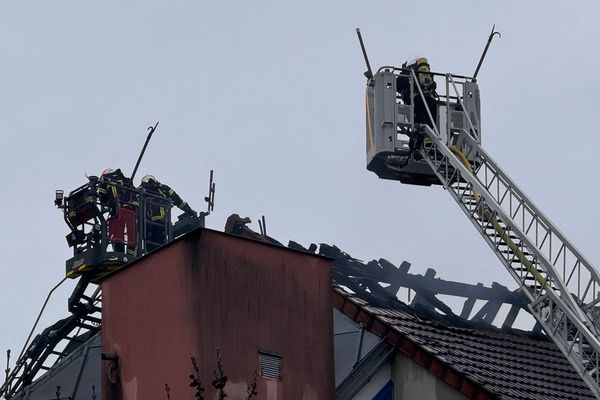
x,y
112,189
156,223
428,86
116,192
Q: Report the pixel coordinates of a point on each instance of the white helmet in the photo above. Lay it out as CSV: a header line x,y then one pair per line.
x,y
107,171
148,178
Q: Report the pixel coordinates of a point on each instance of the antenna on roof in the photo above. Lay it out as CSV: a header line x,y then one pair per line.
x,y
210,199
368,72
262,224
137,164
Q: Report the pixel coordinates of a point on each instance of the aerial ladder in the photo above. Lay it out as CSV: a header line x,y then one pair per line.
x,y
561,286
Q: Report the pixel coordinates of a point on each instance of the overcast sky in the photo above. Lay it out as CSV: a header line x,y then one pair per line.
x,y
270,95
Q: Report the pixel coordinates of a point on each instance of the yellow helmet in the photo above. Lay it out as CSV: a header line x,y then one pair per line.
x,y
422,64
421,60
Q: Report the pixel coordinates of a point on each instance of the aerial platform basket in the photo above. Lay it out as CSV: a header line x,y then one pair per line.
x,y
103,236
106,234
391,121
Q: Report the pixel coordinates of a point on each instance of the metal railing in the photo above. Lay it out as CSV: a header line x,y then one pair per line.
x,y
451,100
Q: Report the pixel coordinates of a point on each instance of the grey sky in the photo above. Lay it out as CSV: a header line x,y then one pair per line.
x,y
270,95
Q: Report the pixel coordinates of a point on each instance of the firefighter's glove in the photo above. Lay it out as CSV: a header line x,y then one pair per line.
x,y
189,212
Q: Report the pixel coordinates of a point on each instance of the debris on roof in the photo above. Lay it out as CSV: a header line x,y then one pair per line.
x,y
463,349
470,354
378,282
237,225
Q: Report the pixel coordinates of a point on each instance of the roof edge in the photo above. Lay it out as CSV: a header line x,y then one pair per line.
x,y
456,379
198,232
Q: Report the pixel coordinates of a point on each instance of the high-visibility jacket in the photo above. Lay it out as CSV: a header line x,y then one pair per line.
x,y
112,190
157,212
428,85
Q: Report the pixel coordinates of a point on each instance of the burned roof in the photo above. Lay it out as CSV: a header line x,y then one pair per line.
x,y
465,350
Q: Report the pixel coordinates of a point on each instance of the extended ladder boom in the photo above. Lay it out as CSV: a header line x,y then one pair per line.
x,y
562,287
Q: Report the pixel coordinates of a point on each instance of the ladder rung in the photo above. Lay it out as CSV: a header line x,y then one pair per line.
x,y
529,278
526,254
527,270
511,237
534,288
493,231
517,261
504,247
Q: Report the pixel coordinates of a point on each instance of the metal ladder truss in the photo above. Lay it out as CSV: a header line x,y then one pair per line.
x,y
54,343
562,287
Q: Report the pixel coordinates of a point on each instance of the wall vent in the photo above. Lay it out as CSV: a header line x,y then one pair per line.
x,y
270,365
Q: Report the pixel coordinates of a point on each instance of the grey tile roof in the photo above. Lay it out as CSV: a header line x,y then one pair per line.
x,y
509,363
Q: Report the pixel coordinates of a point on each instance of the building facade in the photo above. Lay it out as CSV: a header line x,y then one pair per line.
x,y
265,308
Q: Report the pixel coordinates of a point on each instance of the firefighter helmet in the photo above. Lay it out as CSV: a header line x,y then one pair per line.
x,y
107,171
148,179
421,63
